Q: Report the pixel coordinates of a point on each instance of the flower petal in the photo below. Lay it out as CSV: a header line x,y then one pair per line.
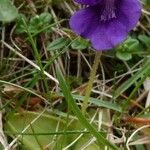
x,y
108,35
88,2
84,21
129,12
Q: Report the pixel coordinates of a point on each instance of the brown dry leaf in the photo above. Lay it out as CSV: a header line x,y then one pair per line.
x,y
34,101
143,140
147,88
11,89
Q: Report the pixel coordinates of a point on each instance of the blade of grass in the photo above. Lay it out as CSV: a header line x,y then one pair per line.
x,y
65,89
140,82
53,133
97,102
132,80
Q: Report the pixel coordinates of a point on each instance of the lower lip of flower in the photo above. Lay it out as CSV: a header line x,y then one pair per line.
x,y
109,10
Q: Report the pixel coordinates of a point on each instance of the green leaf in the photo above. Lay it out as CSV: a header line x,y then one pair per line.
x,y
38,22
58,44
20,28
80,44
131,44
45,18
71,102
146,2
129,47
34,24
123,55
145,40
44,124
8,12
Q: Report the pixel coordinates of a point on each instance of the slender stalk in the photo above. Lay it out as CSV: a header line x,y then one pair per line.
x,y
90,82
2,45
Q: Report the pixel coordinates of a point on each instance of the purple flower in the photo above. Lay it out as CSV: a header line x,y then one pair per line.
x,y
106,22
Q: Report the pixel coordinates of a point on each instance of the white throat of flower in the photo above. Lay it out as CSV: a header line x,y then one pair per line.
x,y
108,11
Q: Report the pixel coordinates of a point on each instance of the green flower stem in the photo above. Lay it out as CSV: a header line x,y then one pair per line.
x,y
90,82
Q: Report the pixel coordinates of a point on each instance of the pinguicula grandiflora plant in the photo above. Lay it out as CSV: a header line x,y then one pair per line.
x,y
106,23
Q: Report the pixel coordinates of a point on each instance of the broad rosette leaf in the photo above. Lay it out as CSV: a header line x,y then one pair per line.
x,y
8,11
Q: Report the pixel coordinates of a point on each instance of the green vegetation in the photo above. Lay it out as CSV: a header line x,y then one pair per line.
x,y
44,73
